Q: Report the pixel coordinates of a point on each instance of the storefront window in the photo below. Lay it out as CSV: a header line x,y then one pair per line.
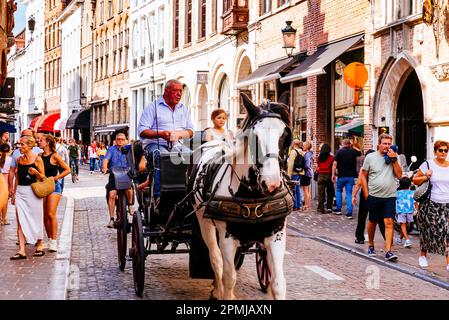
x,y
348,111
270,90
300,110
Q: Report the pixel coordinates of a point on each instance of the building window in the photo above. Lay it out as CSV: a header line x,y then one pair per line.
x,y
188,19
135,44
101,11
110,9
151,37
282,2
120,6
161,30
265,6
223,93
227,5
176,25
214,15
143,40
202,15
393,10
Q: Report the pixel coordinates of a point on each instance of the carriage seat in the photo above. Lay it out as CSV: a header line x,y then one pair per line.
x,y
173,168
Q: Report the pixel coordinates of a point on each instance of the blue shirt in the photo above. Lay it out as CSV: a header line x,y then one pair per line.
x,y
116,158
404,202
167,119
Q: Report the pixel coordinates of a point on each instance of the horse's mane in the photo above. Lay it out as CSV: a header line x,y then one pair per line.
x,y
271,107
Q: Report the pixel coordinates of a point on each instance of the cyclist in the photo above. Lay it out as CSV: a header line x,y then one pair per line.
x,y
116,157
165,121
74,156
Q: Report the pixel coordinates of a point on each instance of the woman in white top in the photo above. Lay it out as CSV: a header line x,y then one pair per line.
x,y
218,131
433,216
5,163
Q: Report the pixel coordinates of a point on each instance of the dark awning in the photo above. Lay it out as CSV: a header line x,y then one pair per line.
x,y
79,120
314,65
111,128
7,127
266,72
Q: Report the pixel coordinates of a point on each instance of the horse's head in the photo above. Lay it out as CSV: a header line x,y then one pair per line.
x,y
266,137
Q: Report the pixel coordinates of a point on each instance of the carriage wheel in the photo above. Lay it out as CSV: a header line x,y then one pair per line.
x,y
122,228
262,268
239,258
138,254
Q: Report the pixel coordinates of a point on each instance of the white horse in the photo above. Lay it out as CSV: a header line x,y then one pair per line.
x,y
251,170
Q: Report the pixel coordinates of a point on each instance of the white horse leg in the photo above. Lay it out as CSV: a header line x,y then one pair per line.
x,y
228,248
275,246
208,232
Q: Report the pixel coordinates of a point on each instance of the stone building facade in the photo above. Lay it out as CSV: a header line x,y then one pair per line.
x,y
109,101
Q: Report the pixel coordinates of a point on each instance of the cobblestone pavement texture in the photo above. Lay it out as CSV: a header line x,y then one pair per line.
x,y
313,270
28,279
338,229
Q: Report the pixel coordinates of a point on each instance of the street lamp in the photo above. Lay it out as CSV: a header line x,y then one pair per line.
x,y
31,24
83,100
289,37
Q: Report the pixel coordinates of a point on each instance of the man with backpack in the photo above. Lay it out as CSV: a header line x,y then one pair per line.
x,y
294,170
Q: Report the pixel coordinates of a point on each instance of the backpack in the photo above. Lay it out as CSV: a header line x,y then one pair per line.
x,y
300,163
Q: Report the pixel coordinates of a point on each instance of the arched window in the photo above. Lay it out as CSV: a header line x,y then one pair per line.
x,y
223,93
135,44
185,98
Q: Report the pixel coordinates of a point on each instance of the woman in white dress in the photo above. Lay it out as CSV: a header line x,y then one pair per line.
x,y
30,214
218,131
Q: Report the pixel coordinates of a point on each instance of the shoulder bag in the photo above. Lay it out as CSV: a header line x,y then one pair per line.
x,y
43,188
423,191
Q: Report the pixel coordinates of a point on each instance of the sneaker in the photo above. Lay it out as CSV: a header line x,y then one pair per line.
x,y
390,256
423,262
371,251
111,223
408,243
359,241
91,172
337,212
349,216
398,241
53,247
329,210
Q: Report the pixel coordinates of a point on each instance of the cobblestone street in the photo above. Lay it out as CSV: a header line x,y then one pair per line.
x,y
313,270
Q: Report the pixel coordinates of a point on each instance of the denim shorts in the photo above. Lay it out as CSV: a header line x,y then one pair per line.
x,y
405,217
58,187
381,208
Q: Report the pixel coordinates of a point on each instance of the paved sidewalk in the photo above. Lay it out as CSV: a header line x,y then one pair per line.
x,y
340,231
30,279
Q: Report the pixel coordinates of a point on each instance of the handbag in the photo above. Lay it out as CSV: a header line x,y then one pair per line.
x,y
43,188
422,192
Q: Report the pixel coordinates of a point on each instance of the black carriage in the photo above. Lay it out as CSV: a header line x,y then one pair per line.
x,y
168,224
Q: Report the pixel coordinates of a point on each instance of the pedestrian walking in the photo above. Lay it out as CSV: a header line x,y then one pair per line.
x,y
101,154
433,214
405,206
324,180
52,161
344,174
293,172
62,150
74,156
378,178
363,209
308,174
5,164
92,156
29,207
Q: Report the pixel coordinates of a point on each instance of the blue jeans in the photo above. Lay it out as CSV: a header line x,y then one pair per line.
x,y
101,163
297,189
93,164
347,183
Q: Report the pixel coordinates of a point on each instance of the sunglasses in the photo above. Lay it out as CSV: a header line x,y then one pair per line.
x,y
443,150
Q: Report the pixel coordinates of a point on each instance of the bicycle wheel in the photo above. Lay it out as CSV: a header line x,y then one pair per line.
x,y
122,228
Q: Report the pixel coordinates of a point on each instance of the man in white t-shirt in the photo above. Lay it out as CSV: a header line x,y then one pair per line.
x,y
92,155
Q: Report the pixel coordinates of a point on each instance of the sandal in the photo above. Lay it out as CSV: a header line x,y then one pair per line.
x,y
18,256
39,253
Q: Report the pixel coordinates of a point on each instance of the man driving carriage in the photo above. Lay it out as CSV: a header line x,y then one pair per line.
x,y
163,125
116,157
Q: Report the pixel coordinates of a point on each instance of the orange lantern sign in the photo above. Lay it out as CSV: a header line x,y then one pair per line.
x,y
356,75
